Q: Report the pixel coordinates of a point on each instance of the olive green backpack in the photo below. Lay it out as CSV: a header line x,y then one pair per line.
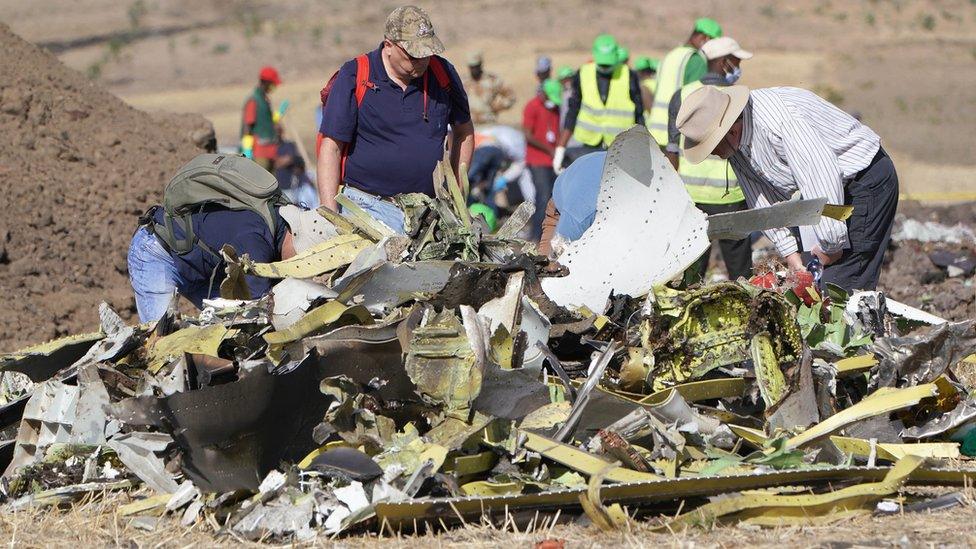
x,y
231,181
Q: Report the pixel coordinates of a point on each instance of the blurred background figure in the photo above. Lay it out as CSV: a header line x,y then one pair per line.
x,y
291,171
540,124
605,101
487,93
543,70
259,132
682,65
646,68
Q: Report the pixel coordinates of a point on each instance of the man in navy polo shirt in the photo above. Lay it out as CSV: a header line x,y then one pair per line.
x,y
389,143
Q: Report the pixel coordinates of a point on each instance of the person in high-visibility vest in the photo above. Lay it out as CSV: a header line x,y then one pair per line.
x,y
682,65
606,100
646,68
712,183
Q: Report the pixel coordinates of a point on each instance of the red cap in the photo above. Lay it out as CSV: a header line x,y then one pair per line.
x,y
269,74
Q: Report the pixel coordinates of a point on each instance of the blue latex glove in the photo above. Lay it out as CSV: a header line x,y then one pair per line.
x,y
499,185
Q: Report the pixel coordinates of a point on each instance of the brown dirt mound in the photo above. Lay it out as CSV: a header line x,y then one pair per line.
x,y
77,167
910,276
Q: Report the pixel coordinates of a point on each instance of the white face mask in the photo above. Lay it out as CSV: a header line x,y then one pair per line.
x,y
733,77
550,105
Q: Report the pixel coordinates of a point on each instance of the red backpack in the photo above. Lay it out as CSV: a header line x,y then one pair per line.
x,y
362,84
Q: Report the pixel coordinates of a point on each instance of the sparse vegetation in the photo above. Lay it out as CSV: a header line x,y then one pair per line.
x,y
869,19
137,10
768,10
221,48
829,93
928,22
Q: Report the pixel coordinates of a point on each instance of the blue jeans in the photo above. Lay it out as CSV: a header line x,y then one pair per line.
x,y
153,275
381,210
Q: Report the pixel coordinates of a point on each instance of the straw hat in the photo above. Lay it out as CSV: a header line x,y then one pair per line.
x,y
706,116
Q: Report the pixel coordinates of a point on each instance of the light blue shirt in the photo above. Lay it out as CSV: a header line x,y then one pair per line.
x,y
575,193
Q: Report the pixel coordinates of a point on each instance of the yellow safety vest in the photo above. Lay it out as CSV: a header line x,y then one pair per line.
x,y
706,182
670,78
649,83
600,122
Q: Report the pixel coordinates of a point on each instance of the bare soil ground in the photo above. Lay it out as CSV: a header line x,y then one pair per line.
x,y
78,166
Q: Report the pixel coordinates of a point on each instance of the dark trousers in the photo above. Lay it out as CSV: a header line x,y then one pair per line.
x,y
542,179
874,194
737,254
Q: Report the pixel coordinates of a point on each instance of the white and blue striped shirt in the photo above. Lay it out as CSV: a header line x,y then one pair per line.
x,y
792,140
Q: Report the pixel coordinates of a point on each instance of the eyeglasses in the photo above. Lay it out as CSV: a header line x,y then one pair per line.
x,y
410,57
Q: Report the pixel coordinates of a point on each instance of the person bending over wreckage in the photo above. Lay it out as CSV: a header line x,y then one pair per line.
x,y
783,140
213,201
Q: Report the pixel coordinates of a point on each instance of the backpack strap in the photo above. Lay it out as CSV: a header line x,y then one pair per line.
x,y
362,78
440,73
362,84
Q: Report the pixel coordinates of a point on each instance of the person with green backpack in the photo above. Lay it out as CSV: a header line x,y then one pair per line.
x,y
212,201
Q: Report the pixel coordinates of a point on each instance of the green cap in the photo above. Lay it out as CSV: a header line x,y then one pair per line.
x,y
708,26
486,213
605,50
565,72
623,55
645,63
553,90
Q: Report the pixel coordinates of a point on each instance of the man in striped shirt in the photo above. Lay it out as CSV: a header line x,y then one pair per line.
x,y
780,141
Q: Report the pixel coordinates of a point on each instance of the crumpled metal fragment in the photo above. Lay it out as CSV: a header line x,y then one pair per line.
x,y
914,360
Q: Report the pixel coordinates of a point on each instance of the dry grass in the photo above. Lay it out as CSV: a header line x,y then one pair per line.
x,y
94,523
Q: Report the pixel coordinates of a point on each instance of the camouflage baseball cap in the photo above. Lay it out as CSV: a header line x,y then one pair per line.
x,y
410,27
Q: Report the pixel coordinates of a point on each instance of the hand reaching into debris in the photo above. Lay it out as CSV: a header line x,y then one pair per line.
x,y
795,262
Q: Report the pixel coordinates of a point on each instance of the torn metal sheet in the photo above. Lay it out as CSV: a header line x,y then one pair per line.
x,y
91,408
685,334
232,435
642,197
695,391
597,366
442,361
896,308
346,463
779,506
369,356
646,494
799,409
578,460
506,309
963,413
323,258
893,452
203,340
537,329
390,285
510,394
292,298
740,225
329,315
48,418
872,405
40,362
922,358
137,451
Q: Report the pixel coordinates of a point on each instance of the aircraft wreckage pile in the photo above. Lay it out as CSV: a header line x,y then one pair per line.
x,y
389,382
